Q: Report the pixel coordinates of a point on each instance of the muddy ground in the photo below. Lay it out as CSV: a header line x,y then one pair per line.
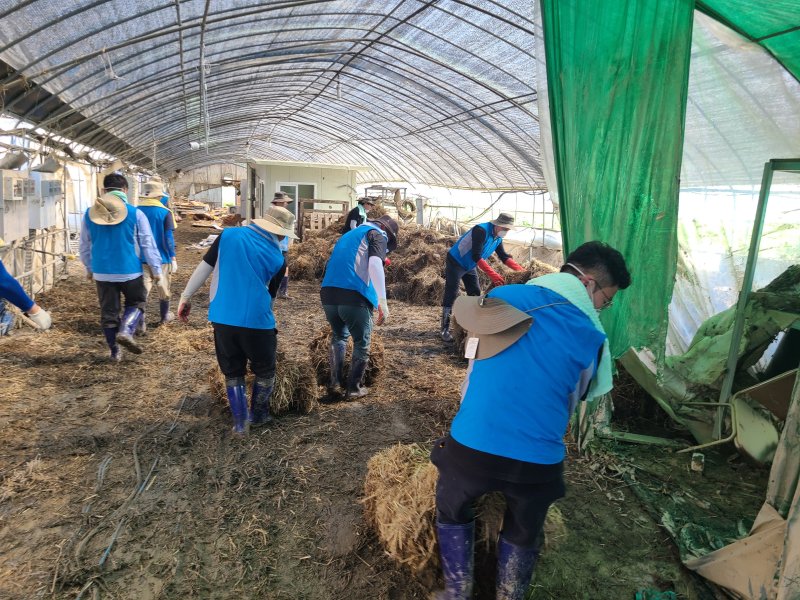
x,y
124,481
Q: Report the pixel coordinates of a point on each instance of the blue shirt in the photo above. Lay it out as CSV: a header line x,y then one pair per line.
x,y
11,290
517,403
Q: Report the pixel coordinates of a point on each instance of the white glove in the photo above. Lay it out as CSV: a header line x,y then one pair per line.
x,y
383,311
41,318
174,265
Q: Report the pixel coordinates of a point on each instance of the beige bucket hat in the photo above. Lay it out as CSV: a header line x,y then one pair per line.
x,y
108,209
495,323
153,189
277,220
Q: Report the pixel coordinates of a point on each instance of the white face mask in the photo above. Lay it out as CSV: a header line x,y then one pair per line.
x,y
502,233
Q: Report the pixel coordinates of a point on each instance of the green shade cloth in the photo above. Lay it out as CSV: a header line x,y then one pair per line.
x,y
617,89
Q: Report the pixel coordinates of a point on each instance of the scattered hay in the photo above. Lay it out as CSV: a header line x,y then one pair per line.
x,y
400,504
318,348
295,386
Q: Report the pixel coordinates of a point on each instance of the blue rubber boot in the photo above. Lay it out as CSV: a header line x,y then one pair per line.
x,y
111,340
259,401
456,545
354,377
515,566
336,355
127,329
237,398
166,315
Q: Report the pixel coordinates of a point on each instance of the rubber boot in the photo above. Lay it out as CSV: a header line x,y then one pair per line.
x,y
237,398
283,288
141,326
514,569
127,328
259,401
336,355
166,316
354,377
111,340
446,335
456,545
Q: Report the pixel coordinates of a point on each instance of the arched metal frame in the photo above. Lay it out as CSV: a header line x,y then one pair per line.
x,y
435,91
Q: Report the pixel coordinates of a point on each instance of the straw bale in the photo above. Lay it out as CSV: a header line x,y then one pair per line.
x,y
400,505
318,348
295,385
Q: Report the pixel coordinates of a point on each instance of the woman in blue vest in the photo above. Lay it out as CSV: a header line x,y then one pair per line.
x,y
162,225
471,251
11,290
115,240
353,286
541,350
247,266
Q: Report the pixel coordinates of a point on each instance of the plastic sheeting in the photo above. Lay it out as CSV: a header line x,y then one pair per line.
x,y
436,92
743,110
617,89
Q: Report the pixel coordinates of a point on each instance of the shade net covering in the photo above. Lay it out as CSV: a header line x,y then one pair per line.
x,y
617,89
440,92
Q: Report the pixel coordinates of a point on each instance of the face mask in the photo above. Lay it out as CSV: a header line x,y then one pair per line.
x,y
502,233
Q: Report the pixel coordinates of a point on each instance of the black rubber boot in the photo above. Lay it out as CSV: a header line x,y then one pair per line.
x,y
446,335
354,387
259,401
336,354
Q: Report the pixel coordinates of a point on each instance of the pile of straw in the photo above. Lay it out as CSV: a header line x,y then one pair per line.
x,y
295,386
318,349
400,505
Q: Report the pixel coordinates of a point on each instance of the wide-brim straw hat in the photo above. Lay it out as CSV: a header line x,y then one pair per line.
x,y
153,189
277,220
503,220
108,209
495,323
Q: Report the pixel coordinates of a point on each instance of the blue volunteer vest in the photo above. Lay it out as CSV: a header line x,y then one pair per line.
x,y
462,249
157,217
348,266
114,247
516,403
248,258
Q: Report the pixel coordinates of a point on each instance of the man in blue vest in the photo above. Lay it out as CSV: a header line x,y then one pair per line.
x,y
115,239
471,251
539,350
358,216
282,199
248,266
162,224
353,286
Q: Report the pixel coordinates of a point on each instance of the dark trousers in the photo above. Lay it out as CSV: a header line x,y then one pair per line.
x,y
526,503
346,321
454,274
237,345
108,293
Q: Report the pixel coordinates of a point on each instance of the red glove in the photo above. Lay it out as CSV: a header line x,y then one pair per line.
x,y
386,262
184,308
496,278
512,264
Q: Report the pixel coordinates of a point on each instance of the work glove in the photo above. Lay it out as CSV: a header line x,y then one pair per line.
x,y
386,262
383,311
156,277
174,265
512,264
184,308
41,318
496,278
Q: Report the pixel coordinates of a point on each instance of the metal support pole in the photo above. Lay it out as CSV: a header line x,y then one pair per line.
x,y
744,295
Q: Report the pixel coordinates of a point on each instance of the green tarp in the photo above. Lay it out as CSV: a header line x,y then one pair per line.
x,y
617,75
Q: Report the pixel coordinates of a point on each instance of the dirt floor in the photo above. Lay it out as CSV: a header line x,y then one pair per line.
x,y
124,481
